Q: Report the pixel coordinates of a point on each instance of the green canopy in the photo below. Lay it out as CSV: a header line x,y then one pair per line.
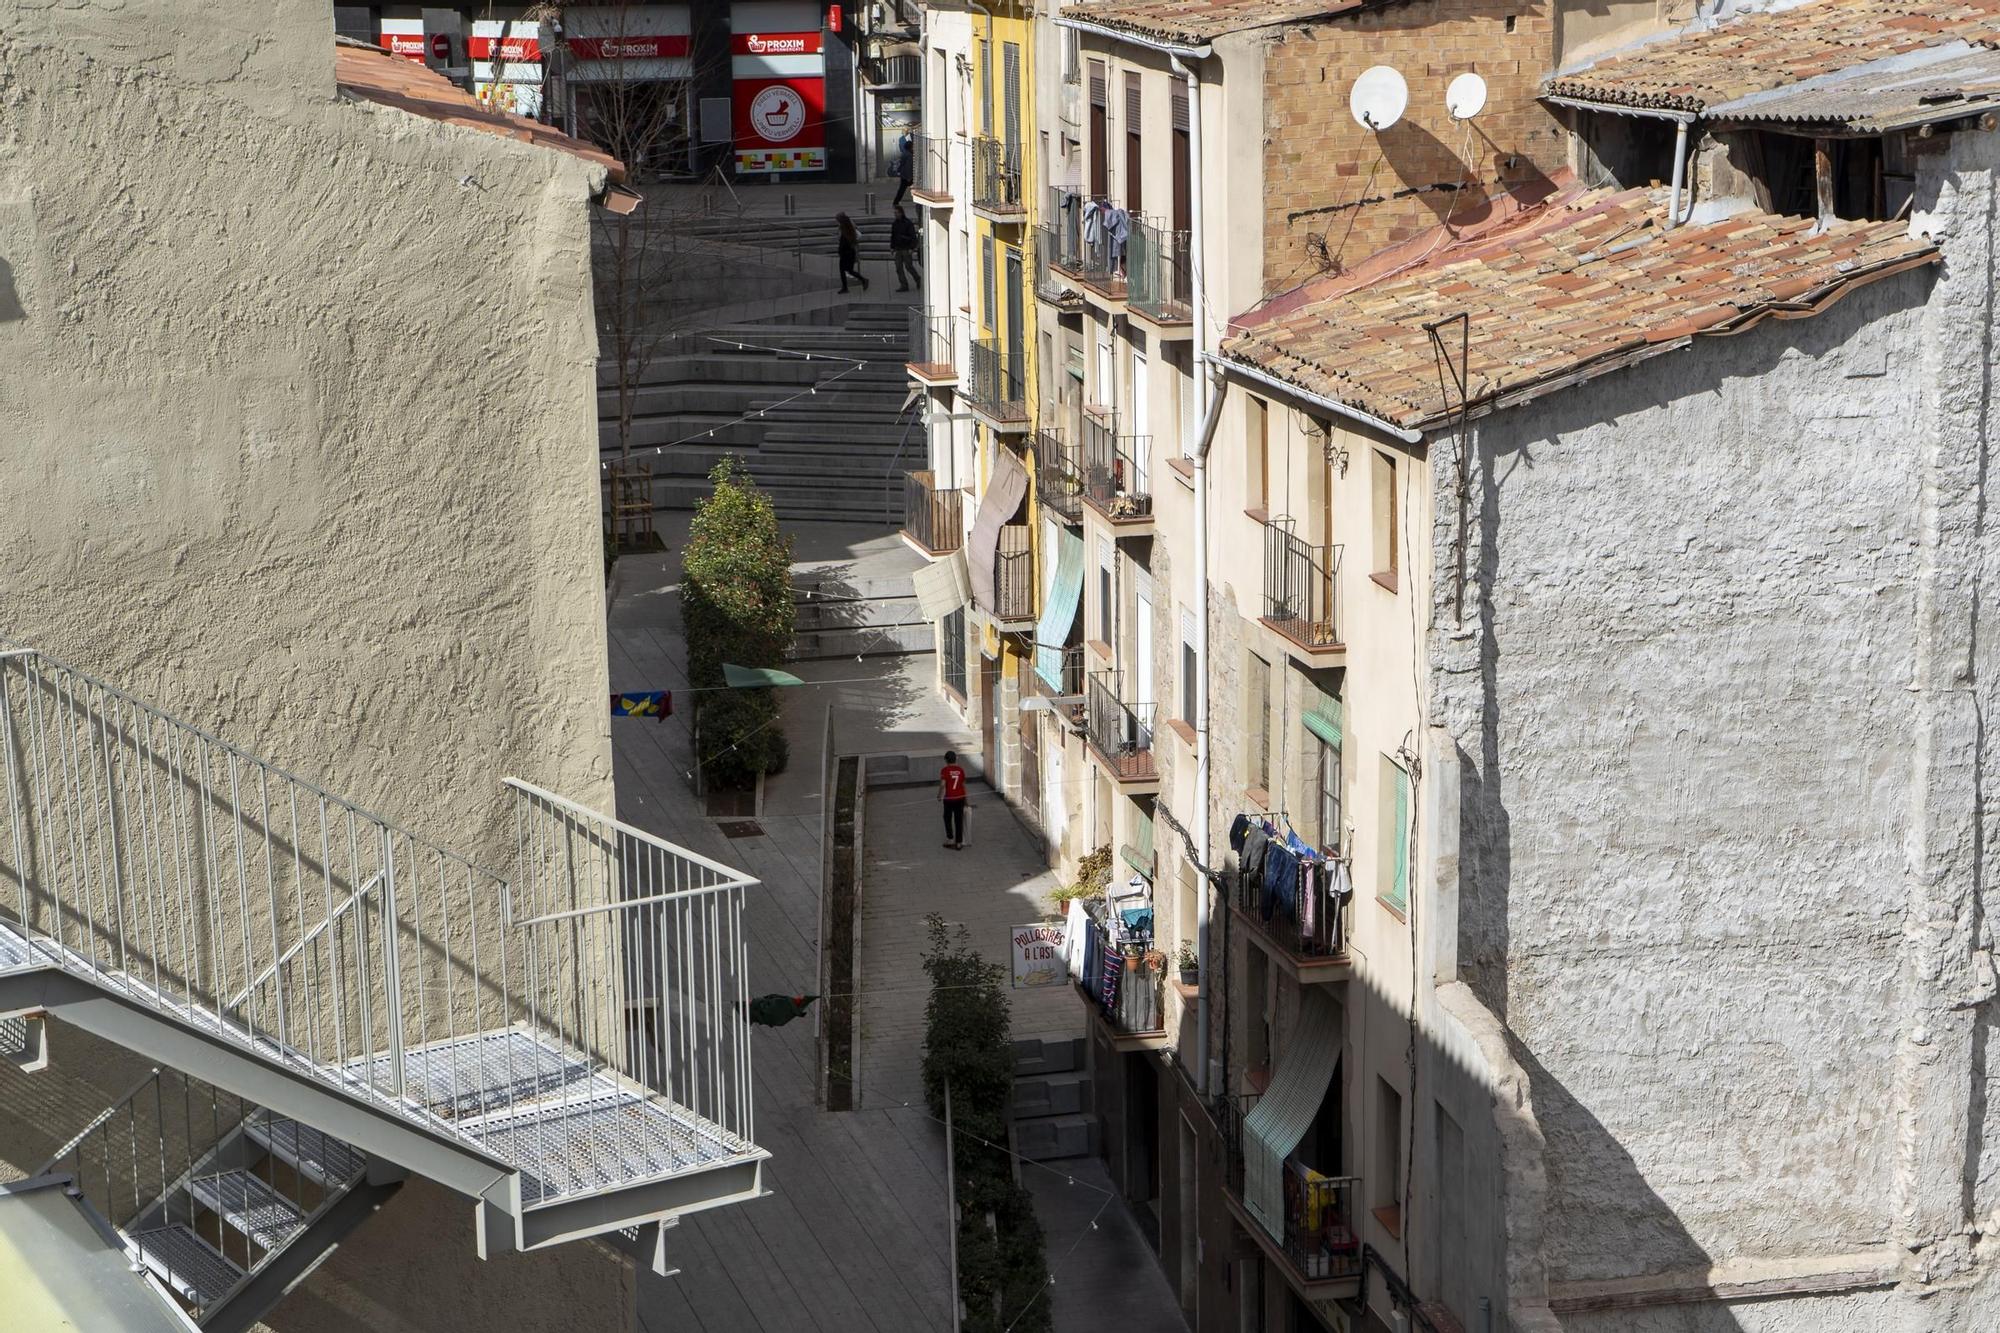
x,y
751,678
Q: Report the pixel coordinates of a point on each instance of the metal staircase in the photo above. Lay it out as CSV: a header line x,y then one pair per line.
x,y
225,1204
569,1047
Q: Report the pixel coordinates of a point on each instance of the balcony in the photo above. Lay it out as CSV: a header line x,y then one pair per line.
x,y
1058,476
1014,576
1302,591
1126,996
1050,257
933,517
1086,250
1069,686
930,171
1160,278
996,181
1114,474
997,387
933,353
1312,953
1317,1249
1121,734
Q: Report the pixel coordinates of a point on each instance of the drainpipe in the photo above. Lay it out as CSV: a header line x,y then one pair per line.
x,y
1674,218
1210,407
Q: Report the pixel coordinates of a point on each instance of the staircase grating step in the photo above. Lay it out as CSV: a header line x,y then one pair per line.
x,y
323,1158
185,1263
249,1204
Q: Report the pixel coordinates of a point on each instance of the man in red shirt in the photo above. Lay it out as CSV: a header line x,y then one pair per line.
x,y
951,791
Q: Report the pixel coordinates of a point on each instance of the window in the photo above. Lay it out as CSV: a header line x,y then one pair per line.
x,y
1387,1181
1392,850
1100,132
1135,148
1011,90
988,284
1190,672
1107,393
1386,552
1072,56
1190,906
1257,441
1107,617
954,652
1258,734
986,87
1326,785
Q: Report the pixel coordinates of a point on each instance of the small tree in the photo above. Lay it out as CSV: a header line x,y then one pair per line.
x,y
736,606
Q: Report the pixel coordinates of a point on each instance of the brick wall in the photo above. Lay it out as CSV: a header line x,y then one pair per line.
x,y
1335,192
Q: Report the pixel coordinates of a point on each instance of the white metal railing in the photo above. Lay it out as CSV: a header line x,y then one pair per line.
x,y
193,878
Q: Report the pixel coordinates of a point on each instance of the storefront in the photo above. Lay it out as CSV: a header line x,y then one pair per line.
x,y
777,70
627,83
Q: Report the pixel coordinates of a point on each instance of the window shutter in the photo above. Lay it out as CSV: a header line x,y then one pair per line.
x,y
1011,90
1098,90
987,286
985,87
1180,103
1131,102
1399,893
1323,718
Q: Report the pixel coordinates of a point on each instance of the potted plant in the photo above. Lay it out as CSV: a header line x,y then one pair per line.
x,y
1185,960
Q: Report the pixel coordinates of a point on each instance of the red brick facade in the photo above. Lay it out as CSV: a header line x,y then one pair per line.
x,y
1334,193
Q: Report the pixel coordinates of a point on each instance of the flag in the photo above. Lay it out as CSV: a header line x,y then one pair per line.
x,y
751,678
643,703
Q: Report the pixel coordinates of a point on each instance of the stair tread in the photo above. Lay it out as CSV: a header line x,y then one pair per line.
x,y
186,1263
248,1203
321,1157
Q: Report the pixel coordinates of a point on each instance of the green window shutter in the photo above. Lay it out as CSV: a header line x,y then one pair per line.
x,y
1322,719
1399,893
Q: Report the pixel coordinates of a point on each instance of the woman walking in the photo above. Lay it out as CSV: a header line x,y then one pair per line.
x,y
903,248
850,252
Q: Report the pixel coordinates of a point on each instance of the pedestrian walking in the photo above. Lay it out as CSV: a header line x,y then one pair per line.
x,y
951,791
904,168
850,252
903,247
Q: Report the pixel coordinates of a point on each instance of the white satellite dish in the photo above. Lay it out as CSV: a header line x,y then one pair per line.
x,y
1466,97
1379,97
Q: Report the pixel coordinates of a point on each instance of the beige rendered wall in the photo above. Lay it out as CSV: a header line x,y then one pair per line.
x,y
296,419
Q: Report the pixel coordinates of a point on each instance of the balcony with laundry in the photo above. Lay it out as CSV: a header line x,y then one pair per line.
x,y
1120,733
1302,593
996,181
1159,280
1118,973
1116,474
933,350
566,1046
933,514
1283,1151
1291,899
1094,233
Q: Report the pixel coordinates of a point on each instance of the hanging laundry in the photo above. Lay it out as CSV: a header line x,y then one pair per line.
x,y
1239,828
1250,868
1114,969
1093,223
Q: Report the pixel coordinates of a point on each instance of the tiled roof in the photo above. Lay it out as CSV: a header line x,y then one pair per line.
x,y
370,72
1698,67
1922,87
1575,286
1192,22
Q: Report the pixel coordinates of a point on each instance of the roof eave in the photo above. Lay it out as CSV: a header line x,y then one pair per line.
x,y
1678,116
1232,365
1184,51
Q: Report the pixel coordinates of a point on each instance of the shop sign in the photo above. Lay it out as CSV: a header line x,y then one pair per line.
x,y
488,42
776,44
780,124
405,38
1038,955
629,47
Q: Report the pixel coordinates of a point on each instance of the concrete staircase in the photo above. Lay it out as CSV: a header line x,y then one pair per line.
x,y
841,614
1052,1114
836,453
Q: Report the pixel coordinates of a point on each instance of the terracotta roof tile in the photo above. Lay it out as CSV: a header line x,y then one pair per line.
x,y
370,72
1697,68
1574,284
1193,22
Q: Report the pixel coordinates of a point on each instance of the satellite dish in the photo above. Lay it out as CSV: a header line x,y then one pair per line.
x,y
1466,97
1379,97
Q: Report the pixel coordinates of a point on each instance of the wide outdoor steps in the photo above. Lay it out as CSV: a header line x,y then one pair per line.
x,y
1051,1112
826,438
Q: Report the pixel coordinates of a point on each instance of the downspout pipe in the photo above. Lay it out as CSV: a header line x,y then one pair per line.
x,y
1674,218
1210,407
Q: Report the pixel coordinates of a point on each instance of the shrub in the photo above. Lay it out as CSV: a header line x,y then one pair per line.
x,y
736,606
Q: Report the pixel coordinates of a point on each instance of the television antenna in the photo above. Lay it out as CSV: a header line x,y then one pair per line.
x,y
1378,97
1466,97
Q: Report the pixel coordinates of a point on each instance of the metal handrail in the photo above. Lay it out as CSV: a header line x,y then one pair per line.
x,y
934,516
1301,586
1112,478
931,339
996,174
1014,574
997,384
1121,732
930,166
1058,475
1160,276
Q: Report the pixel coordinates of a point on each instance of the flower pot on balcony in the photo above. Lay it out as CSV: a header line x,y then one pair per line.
x,y
1190,976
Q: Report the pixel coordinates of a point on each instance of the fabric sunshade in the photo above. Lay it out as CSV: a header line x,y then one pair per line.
x,y
1287,1109
750,678
1322,719
942,586
1005,485
1059,612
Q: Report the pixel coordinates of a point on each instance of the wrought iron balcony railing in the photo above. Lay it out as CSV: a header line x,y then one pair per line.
x,y
933,516
930,168
1301,587
1050,261
996,176
1315,1231
997,385
1058,475
1115,477
1160,274
1014,574
1324,936
1120,732
1129,993
932,353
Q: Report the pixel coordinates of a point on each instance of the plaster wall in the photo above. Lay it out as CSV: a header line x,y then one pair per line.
x,y
297,417
1716,705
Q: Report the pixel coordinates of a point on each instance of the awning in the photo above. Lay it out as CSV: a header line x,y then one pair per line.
x,y
1059,612
1287,1109
1005,486
751,678
942,586
1322,719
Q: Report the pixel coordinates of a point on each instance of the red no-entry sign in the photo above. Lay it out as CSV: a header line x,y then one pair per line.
x,y
441,48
